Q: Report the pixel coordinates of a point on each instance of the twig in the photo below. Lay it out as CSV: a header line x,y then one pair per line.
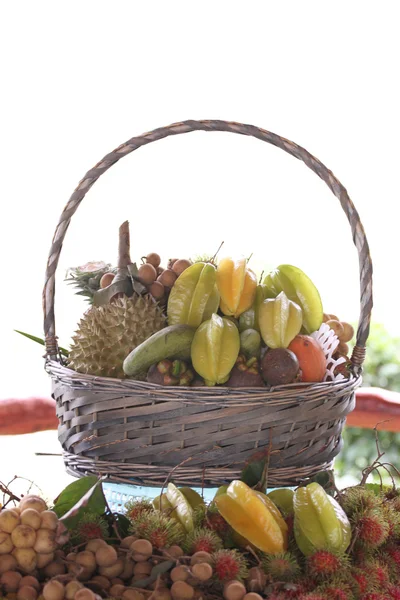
x,y
251,551
263,483
215,255
168,477
261,276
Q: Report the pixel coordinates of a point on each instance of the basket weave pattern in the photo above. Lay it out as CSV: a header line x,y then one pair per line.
x,y
137,432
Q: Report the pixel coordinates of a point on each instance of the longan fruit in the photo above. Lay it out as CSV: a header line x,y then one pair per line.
x,y
27,592
6,545
252,596
325,317
53,590
26,558
348,332
343,349
23,536
103,582
153,259
336,326
45,541
56,567
9,520
49,520
234,590
180,590
31,581
181,265
147,274
32,501
127,573
85,594
200,557
117,590
116,581
106,556
142,568
130,594
157,290
175,551
94,544
159,270
127,541
71,588
10,581
31,517
8,562
44,559
162,594
141,550
106,280
171,262
86,559
167,277
202,571
179,573
113,570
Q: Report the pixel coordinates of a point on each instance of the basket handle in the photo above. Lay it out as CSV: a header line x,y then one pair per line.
x,y
314,164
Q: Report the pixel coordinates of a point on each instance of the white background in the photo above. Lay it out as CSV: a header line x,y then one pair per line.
x,y
80,77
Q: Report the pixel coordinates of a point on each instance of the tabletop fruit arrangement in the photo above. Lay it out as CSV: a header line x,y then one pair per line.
x,y
313,543
205,322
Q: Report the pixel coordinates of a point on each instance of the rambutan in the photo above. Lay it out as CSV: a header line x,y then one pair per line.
x,y
372,529
314,596
391,554
281,567
361,583
392,517
229,564
358,500
323,564
90,526
202,540
135,508
337,590
393,591
158,529
377,571
216,523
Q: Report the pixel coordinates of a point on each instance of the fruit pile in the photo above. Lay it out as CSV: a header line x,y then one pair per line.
x,y
314,543
200,322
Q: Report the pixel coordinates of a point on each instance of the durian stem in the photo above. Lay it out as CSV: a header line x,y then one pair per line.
x,y
124,256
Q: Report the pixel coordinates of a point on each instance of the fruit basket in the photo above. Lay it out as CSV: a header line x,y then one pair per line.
x,y
136,432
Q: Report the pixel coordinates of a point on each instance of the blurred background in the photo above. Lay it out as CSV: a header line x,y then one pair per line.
x,y
79,79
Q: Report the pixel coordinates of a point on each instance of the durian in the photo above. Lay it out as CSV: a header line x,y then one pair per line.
x,y
107,334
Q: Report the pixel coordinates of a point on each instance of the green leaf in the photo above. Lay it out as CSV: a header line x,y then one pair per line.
x,y
41,341
123,524
84,495
155,572
254,470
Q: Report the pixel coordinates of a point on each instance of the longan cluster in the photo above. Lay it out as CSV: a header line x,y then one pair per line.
x,y
343,330
158,280
27,535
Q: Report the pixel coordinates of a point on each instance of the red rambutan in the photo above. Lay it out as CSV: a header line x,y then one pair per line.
x,y
158,529
281,567
358,500
314,596
372,530
135,508
323,564
89,527
394,592
229,564
391,555
359,581
202,540
216,523
337,591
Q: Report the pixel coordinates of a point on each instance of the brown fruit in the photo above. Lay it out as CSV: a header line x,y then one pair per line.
x,y
181,265
23,536
142,568
202,571
10,581
167,278
159,270
84,594
106,556
32,501
106,280
201,556
53,590
71,588
31,517
247,378
162,594
171,262
130,594
175,551
116,581
45,541
336,326
27,592
343,349
9,520
127,541
101,581
117,590
180,573
234,590
141,550
31,581
44,559
94,544
56,567
180,590
114,570
8,562
157,290
153,259
279,366
49,520
147,274
252,596
127,573
86,559
6,544
348,332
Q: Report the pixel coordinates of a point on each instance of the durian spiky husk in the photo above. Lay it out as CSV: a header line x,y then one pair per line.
x,y
107,334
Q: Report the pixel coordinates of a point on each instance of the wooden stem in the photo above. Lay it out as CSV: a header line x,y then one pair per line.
x,y
124,256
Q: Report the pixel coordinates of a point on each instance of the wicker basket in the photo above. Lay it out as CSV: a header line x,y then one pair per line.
x,y
136,432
